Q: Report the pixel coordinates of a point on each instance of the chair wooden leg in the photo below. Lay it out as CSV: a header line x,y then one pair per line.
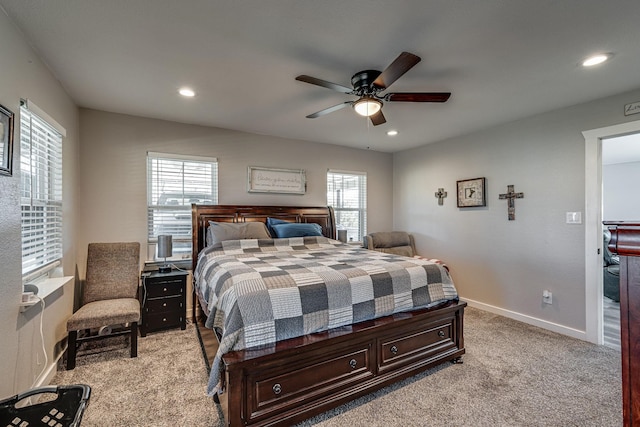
x,y
134,339
71,350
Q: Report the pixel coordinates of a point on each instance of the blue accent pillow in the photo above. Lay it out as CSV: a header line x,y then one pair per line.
x,y
271,222
293,229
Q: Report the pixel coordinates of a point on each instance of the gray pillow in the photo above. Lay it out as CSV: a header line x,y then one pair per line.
x,y
220,231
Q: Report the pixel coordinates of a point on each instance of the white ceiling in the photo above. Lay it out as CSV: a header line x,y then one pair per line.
x,y
502,60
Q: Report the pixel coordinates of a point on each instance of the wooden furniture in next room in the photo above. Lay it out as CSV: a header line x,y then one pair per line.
x,y
163,300
625,241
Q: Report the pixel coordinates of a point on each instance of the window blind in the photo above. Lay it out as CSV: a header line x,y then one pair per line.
x,y
173,183
347,194
40,191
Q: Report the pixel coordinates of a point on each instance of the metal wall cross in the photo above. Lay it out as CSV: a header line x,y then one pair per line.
x,y
510,195
441,194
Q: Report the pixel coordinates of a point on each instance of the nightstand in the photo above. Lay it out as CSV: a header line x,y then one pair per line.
x,y
163,301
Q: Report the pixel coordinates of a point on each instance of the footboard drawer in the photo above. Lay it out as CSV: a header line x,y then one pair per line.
x,y
287,387
431,341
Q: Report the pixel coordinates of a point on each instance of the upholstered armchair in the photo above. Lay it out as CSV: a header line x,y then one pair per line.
x,y
108,297
397,243
392,242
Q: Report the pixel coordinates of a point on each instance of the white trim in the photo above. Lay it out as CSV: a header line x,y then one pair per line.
x,y
593,224
47,375
45,288
346,172
555,327
41,271
33,108
170,156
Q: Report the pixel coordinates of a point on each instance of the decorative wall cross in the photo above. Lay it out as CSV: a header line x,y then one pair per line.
x,y
441,194
511,196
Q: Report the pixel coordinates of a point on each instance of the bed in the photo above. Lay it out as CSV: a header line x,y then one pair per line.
x,y
290,377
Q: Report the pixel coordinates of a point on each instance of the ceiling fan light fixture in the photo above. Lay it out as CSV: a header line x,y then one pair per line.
x,y
367,106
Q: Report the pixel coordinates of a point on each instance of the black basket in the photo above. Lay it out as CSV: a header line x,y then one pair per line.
x,y
64,411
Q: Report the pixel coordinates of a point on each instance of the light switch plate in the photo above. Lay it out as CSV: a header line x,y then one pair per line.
x,y
574,217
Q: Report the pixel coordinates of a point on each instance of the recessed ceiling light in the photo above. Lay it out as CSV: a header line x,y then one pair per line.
x,y
392,133
185,91
595,60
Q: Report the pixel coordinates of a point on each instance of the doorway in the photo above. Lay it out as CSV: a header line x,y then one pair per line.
x,y
620,169
594,287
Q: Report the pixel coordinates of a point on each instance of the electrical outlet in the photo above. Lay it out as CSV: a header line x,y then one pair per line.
x,y
547,297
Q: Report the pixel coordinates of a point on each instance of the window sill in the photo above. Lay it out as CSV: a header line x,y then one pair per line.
x,y
45,288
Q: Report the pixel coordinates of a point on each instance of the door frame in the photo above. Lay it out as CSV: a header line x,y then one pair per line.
x,y
593,224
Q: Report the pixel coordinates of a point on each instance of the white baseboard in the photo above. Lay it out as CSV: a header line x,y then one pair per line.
x,y
564,330
47,375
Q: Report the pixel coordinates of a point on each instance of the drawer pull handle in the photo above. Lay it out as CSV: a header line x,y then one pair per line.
x,y
441,334
353,363
394,349
164,304
165,290
164,319
277,389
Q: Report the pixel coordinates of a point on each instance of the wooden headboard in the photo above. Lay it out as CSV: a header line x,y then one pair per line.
x,y
202,214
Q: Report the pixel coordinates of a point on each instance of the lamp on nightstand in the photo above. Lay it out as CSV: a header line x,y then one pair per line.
x,y
165,250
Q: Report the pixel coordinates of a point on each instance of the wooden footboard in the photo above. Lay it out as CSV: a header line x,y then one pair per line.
x,y
301,377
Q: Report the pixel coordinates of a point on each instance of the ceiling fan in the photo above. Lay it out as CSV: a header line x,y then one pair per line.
x,y
368,85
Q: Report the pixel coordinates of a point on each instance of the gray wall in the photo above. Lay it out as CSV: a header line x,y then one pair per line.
x,y
499,263
495,262
620,198
113,171
24,76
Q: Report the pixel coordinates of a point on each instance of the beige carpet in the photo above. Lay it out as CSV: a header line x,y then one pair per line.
x,y
513,375
163,386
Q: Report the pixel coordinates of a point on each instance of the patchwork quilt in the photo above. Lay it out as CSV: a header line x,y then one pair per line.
x,y
267,290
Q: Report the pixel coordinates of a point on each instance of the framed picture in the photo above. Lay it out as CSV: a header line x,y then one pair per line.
x,y
6,140
270,180
471,193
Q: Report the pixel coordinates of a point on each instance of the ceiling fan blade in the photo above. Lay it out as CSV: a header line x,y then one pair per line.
x,y
329,110
324,83
418,96
378,118
403,63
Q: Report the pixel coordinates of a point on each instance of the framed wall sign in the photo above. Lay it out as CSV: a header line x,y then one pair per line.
x,y
270,180
471,193
6,140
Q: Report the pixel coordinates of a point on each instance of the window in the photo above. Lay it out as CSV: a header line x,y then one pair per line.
x,y
40,190
173,183
347,194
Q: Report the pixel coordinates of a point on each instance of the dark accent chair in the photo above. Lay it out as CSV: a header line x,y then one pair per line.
x,y
611,270
108,297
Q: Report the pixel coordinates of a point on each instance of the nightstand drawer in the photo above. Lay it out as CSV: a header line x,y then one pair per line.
x,y
165,288
164,320
160,305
